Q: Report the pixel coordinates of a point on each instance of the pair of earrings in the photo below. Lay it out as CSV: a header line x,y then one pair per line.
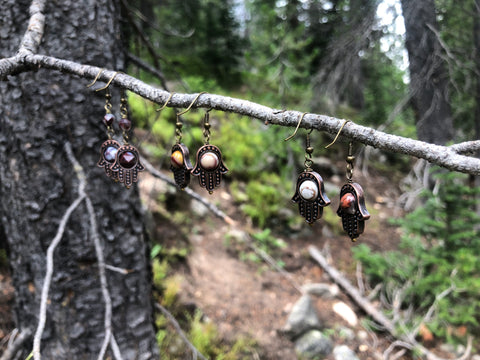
x,y
209,166
121,162
311,197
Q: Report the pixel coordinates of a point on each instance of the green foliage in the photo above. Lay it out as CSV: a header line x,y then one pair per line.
x,y
438,253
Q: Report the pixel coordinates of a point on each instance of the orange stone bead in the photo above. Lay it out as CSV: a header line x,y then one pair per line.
x,y
177,159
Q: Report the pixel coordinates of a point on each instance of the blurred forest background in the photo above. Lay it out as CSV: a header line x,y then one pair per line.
x,y
416,76
348,59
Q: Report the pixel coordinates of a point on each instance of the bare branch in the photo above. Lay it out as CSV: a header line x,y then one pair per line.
x,y
100,258
15,344
33,36
49,271
436,154
179,330
214,209
404,340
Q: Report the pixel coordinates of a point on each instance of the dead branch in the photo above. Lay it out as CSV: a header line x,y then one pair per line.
x,y
49,268
440,155
405,340
179,331
100,258
15,344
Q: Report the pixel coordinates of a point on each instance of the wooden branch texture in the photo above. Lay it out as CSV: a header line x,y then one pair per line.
x,y
444,156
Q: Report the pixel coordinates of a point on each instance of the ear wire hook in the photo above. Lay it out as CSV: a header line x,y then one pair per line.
x,y
109,82
165,105
296,129
96,78
338,134
190,106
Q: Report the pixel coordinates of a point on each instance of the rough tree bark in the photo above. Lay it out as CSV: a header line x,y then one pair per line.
x,y
428,76
39,112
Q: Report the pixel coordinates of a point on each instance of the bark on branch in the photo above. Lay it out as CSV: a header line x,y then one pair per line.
x,y
440,155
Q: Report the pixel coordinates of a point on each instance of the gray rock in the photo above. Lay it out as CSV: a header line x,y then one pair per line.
x,y
302,318
313,345
343,352
326,291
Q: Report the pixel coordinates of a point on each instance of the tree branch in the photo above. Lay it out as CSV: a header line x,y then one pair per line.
x,y
405,340
15,345
436,154
180,332
100,259
33,36
49,271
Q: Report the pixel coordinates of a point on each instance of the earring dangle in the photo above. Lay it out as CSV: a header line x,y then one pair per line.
x,y
109,148
127,161
209,165
180,157
310,192
352,207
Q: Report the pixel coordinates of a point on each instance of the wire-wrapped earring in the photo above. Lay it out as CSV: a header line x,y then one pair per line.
x,y
127,160
209,165
352,207
310,192
109,148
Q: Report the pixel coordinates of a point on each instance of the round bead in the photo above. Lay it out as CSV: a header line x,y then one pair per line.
x,y
176,159
110,153
308,190
127,160
347,203
108,119
209,161
125,124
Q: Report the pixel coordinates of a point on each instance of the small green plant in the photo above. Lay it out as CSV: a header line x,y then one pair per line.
x,y
438,254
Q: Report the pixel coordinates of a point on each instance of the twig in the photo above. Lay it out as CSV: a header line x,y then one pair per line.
x,y
49,271
179,330
214,209
15,345
404,340
36,24
99,253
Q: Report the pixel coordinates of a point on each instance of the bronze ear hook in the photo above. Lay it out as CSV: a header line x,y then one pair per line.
x,y
96,78
298,125
165,105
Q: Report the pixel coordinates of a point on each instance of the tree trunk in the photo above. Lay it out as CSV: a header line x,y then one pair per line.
x,y
428,77
39,112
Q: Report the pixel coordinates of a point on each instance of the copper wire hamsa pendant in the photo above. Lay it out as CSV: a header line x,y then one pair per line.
x,y
180,165
128,165
310,196
108,154
209,167
352,210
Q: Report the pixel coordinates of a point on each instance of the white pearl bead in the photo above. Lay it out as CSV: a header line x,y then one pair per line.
x,y
209,161
308,190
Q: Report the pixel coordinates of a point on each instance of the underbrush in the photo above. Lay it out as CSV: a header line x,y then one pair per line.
x,y
434,274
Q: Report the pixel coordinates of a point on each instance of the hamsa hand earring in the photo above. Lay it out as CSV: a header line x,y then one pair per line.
x,y
209,165
127,160
180,157
309,192
352,207
109,148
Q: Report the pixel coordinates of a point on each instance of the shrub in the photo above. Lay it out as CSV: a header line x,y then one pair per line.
x,y
438,253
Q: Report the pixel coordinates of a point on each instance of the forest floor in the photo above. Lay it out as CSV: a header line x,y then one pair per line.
x,y
251,299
